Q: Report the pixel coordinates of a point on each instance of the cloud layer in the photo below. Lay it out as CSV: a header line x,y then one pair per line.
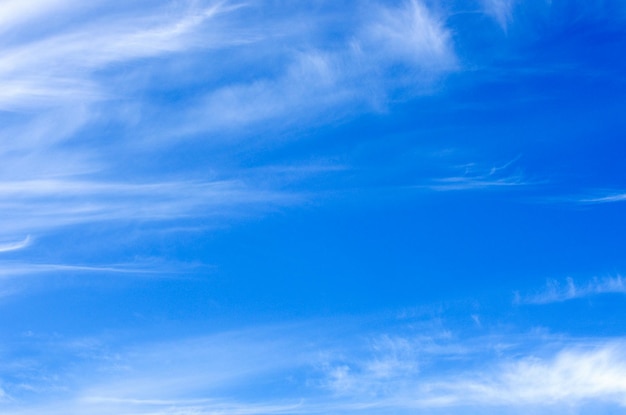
x,y
104,70
310,373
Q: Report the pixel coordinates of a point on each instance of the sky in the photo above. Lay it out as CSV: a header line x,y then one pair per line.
x,y
275,207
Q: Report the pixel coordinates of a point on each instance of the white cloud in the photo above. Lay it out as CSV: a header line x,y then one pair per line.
x,y
500,10
475,182
572,377
559,292
389,363
315,368
15,246
53,83
311,82
3,396
12,269
607,198
60,87
16,12
35,205
180,376
476,177
590,197
330,82
61,67
411,33
58,69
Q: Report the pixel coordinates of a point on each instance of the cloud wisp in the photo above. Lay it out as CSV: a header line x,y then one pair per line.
x,y
316,372
59,68
476,177
152,116
15,246
65,81
320,80
556,292
68,68
609,197
573,376
16,269
48,204
500,10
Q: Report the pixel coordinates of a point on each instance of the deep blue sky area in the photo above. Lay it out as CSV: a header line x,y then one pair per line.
x,y
314,207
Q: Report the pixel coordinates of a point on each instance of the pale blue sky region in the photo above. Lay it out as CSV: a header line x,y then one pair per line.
x,y
314,207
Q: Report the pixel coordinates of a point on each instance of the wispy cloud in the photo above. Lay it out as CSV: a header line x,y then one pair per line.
x,y
19,277
608,197
317,80
65,81
15,246
475,182
36,205
194,375
589,198
322,371
392,361
59,68
13,269
500,10
67,66
569,378
413,33
56,86
16,12
556,291
476,177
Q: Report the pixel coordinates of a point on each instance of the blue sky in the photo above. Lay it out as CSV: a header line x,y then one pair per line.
x,y
314,207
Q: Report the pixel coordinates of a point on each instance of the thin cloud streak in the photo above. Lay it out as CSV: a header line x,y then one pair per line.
x,y
556,292
35,205
479,178
108,120
10,269
500,10
475,183
16,246
17,12
59,69
399,373
318,81
587,198
412,33
608,198
61,81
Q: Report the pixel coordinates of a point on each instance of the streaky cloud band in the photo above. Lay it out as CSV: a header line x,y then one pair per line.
x,y
384,372
556,292
16,246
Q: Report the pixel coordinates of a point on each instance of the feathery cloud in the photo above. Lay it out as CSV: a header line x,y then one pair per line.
x,y
231,372
571,377
59,69
500,10
15,246
607,198
557,292
476,177
64,81
321,80
47,204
